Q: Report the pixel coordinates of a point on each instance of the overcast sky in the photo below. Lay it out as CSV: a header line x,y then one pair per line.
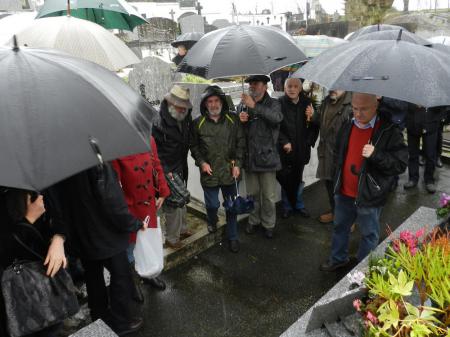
x,y
224,6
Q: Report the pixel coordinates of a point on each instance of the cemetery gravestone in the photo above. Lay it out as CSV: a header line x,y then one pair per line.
x,y
192,23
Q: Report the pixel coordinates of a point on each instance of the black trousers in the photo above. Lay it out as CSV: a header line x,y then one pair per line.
x,y
440,139
329,184
429,147
117,308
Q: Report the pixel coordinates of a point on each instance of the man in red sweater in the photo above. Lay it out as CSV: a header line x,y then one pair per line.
x,y
370,152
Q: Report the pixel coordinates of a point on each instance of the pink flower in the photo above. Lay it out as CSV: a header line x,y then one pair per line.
x,y
413,250
420,233
371,317
444,200
357,304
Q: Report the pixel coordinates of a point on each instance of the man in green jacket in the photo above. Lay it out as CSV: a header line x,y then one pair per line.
x,y
217,144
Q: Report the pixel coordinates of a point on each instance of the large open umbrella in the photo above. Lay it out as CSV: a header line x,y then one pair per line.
x,y
111,14
241,50
79,38
187,39
396,69
373,28
394,35
313,45
14,23
61,115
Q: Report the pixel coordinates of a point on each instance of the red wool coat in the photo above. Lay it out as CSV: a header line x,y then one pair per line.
x,y
142,179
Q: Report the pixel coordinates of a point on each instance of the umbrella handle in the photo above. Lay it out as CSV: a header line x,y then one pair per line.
x,y
235,180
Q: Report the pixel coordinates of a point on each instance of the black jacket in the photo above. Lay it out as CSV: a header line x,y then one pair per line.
x,y
100,222
297,131
262,130
378,172
172,141
420,119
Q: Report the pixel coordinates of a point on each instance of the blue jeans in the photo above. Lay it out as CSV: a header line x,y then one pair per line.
x,y
345,214
299,204
212,204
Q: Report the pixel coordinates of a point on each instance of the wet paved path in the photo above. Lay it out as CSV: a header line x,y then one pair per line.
x,y
262,290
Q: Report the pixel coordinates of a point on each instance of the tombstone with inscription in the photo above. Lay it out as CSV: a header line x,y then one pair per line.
x,y
153,78
192,23
158,30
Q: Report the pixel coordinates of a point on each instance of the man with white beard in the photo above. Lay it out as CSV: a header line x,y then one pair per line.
x,y
217,144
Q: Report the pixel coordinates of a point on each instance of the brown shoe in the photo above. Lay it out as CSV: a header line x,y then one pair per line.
x,y
326,218
352,229
176,245
186,234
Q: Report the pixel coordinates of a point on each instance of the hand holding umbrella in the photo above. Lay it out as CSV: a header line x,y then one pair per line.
x,y
309,113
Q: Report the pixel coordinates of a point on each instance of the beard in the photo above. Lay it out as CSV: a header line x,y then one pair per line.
x,y
215,112
175,114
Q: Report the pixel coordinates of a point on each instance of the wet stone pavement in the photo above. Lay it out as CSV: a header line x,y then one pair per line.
x,y
269,284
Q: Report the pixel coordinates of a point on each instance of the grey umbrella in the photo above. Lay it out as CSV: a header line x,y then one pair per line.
x,y
396,69
393,35
442,47
61,115
241,50
373,28
187,39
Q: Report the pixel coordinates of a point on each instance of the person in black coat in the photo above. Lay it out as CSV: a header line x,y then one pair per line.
x,y
297,136
19,207
171,133
100,225
423,123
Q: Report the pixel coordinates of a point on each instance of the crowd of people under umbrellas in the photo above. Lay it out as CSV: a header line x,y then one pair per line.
x,y
94,215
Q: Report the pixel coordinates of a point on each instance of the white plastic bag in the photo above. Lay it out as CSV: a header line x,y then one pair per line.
x,y
148,252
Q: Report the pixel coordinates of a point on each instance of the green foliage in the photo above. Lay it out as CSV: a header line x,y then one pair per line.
x,y
189,78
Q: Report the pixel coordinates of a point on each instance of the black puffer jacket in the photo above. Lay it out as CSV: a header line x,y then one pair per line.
x,y
377,173
99,220
419,119
297,131
172,141
262,131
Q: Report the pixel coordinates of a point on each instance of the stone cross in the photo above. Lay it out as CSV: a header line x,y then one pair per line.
x,y
172,13
199,8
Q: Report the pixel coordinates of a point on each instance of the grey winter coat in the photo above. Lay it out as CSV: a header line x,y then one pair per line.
x,y
262,131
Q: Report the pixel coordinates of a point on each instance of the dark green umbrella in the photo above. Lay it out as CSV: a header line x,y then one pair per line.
x,y
111,14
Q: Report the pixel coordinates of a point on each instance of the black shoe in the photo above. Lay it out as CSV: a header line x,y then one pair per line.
x,y
212,228
268,233
303,212
286,214
328,266
233,246
430,187
410,184
250,229
421,161
131,327
156,283
439,162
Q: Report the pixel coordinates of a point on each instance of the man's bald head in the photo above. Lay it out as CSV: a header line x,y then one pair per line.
x,y
364,107
293,88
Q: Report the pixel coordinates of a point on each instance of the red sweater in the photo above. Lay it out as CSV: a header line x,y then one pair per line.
x,y
358,138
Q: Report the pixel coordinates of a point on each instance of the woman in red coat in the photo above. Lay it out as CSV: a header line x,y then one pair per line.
x,y
145,188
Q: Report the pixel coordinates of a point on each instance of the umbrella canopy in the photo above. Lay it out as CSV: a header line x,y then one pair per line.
x,y
111,14
445,40
396,69
441,47
394,35
241,50
373,28
79,38
59,112
14,23
187,39
313,45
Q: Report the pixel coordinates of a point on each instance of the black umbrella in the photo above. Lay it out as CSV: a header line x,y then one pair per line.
x,y
241,50
396,69
393,35
373,28
61,115
187,39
